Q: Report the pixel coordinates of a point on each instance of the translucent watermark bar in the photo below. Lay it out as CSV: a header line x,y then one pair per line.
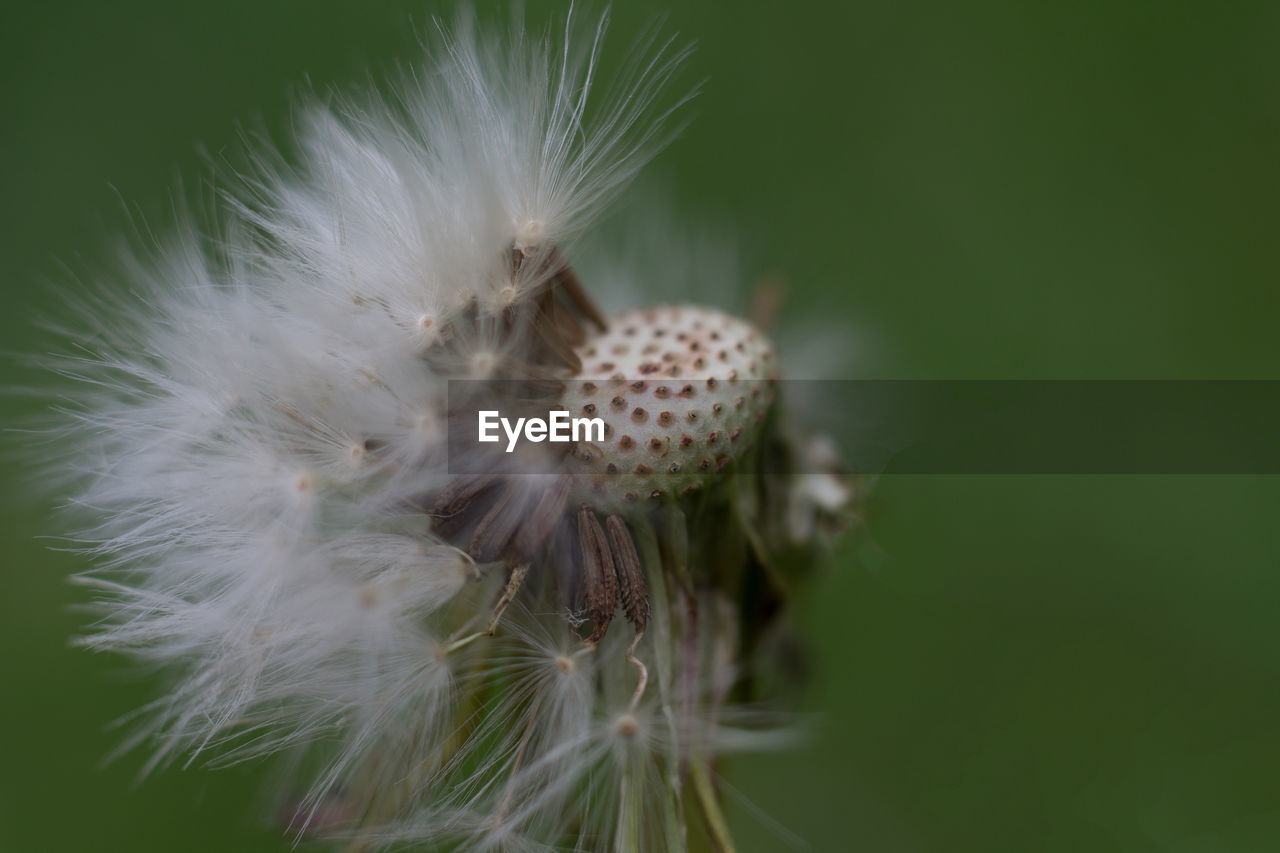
x,y
1007,427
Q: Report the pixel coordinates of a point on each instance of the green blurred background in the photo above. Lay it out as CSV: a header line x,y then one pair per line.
x,y
993,190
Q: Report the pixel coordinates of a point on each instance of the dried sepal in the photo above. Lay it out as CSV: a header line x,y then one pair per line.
x,y
600,580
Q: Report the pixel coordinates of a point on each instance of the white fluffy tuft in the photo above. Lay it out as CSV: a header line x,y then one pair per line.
x,y
254,427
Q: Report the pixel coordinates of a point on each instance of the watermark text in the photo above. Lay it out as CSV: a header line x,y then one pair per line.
x,y
557,426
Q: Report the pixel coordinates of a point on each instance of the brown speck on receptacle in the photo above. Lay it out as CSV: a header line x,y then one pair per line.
x,y
687,391
626,442
736,434
739,402
692,487
618,402
656,444
611,468
631,497
717,408
704,465
675,468
589,409
589,387
665,418
656,493
605,366
692,415
643,469
662,392
733,375
713,437
639,385
639,415
686,440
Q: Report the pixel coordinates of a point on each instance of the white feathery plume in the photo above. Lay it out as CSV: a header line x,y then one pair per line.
x,y
260,445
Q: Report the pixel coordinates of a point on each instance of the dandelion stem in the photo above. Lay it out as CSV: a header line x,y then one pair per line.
x,y
721,840
660,597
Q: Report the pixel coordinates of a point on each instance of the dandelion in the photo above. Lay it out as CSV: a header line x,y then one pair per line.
x,y
547,649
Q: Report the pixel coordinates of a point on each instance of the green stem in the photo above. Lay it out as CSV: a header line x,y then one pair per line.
x,y
717,827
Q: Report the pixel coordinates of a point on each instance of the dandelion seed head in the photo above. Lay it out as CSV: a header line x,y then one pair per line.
x,y
443,646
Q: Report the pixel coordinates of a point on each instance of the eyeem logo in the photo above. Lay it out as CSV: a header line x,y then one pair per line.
x,y
558,427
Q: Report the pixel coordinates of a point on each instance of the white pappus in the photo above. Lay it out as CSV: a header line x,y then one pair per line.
x,y
260,456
